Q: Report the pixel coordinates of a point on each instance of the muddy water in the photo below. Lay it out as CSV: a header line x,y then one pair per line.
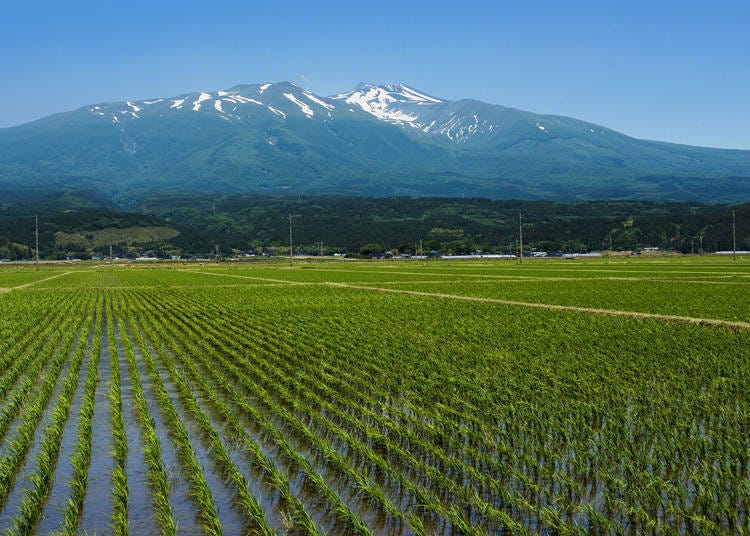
x,y
267,496
224,497
97,506
51,517
141,521
179,489
29,466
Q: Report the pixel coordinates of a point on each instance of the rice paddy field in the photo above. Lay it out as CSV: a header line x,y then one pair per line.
x,y
386,398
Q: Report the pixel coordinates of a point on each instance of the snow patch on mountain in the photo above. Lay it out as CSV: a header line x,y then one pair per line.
x,y
197,103
408,107
304,107
410,94
316,100
241,98
379,102
397,104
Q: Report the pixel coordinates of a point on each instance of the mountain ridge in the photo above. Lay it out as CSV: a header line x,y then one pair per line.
x,y
390,139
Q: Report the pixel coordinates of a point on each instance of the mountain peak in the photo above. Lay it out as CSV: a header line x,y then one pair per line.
x,y
392,102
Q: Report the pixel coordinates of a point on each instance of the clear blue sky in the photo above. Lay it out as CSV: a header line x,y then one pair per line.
x,y
668,70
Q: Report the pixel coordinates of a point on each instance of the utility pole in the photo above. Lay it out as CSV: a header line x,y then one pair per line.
x,y
520,238
36,240
110,254
320,252
291,251
610,242
700,239
734,238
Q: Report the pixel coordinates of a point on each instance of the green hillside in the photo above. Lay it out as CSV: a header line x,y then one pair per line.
x,y
295,142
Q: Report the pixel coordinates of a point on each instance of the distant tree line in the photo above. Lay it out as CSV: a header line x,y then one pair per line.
x,y
249,223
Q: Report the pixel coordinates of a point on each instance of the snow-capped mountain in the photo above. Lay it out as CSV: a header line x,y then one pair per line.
x,y
396,104
405,106
240,103
373,140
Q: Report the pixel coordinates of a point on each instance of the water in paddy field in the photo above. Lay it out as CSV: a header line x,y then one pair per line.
x,y
29,466
184,510
58,496
97,507
141,519
223,497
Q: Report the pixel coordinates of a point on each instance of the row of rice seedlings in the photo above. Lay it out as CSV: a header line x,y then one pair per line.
x,y
199,491
46,459
82,454
410,441
25,325
425,497
119,522
387,432
155,472
34,342
357,403
358,478
17,358
275,378
248,503
303,344
481,506
530,426
276,478
459,486
35,365
361,380
358,385
18,446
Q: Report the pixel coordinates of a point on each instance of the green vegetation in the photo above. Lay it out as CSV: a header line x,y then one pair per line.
x,y
346,151
403,397
177,224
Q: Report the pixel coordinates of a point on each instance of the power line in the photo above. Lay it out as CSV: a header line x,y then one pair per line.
x,y
520,238
734,238
291,251
36,239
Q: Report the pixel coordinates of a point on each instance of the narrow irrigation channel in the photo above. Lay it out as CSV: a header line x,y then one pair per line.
x,y
139,516
97,508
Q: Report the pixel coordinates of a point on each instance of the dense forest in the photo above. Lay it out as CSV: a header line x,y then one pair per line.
x,y
79,224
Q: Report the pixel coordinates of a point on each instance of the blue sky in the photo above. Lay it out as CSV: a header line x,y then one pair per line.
x,y
668,70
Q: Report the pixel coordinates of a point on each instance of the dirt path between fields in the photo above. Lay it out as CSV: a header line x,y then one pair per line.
x,y
246,277
32,283
736,325
518,278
